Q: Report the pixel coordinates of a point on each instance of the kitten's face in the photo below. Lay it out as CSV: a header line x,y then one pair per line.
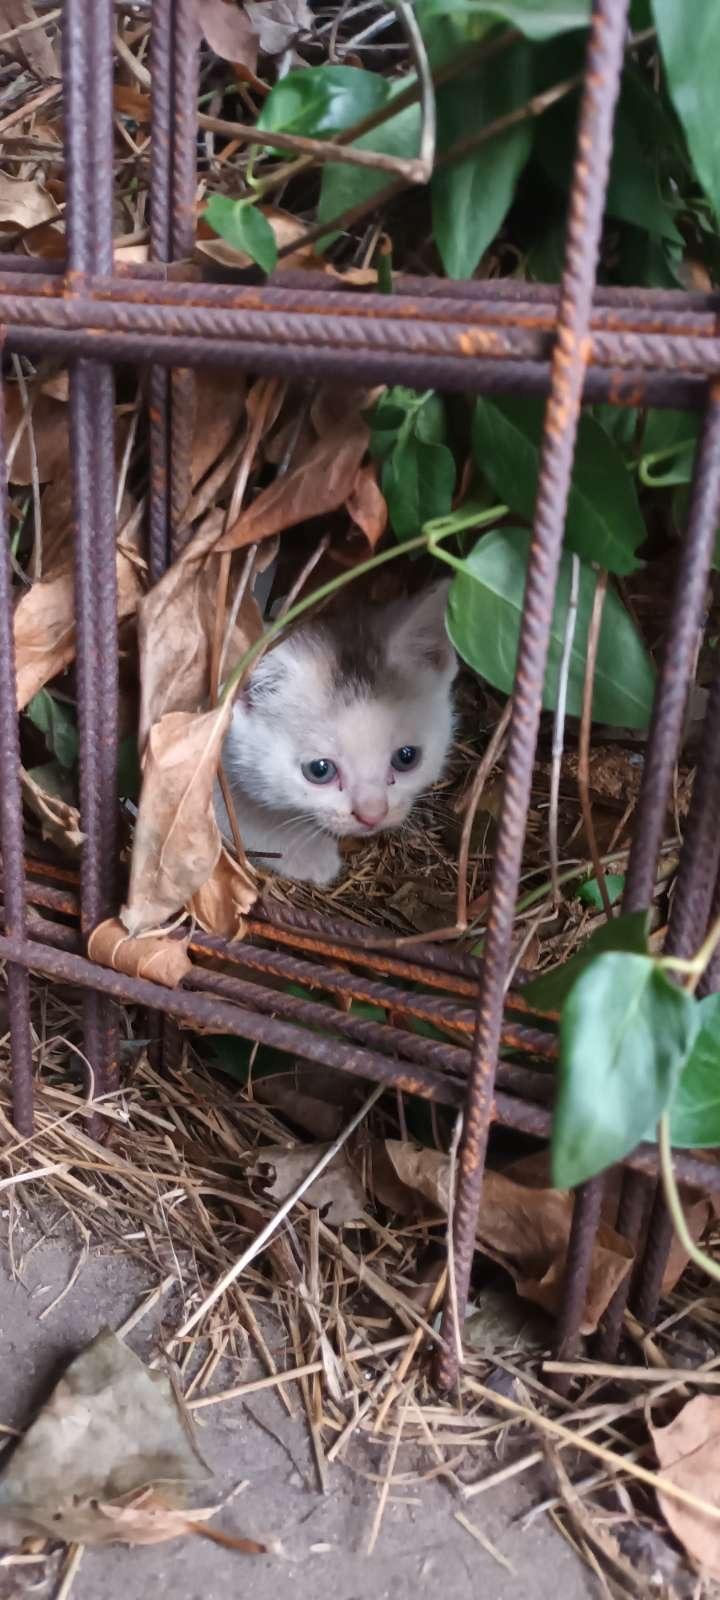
x,y
348,722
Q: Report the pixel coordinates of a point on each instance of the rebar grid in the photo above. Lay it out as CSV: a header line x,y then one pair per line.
x,y
631,347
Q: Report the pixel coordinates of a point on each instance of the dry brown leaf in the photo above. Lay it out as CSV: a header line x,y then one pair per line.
x,y
131,102
278,22
43,790
161,960
177,839
221,904
175,626
337,1192
366,505
32,47
24,203
526,1230
228,31
688,1451
44,625
319,484
219,406
286,229
110,1431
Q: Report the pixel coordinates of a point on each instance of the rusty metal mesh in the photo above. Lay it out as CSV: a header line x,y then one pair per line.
x,y
580,343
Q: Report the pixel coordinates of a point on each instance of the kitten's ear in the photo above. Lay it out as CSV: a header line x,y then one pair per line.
x,y
417,636
267,677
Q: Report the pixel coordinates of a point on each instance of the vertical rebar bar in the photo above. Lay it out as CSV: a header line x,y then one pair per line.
x,y
11,823
570,354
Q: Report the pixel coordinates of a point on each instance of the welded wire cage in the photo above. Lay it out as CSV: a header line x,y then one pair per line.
x,y
575,344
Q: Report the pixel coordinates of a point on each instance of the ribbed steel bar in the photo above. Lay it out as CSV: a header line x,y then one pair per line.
x,y
160,211
11,823
570,355
702,846
87,77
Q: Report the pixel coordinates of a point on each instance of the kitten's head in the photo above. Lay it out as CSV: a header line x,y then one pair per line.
x,y
349,719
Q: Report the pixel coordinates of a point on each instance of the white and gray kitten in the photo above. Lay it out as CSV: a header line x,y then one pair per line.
x,y
339,729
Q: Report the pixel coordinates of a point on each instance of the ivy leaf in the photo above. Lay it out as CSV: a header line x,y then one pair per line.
x,y
483,620
690,48
537,19
344,186
625,1035
695,1111
628,932
604,522
417,482
471,198
589,892
241,224
57,726
320,101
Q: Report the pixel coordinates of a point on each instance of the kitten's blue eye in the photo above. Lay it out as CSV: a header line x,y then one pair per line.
x,y
405,758
319,771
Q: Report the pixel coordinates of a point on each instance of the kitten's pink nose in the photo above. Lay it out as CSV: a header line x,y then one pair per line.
x,y
371,816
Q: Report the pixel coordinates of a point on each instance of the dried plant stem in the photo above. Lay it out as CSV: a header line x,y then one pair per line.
x,y
607,1369
421,64
558,743
272,1225
585,729
568,1436
675,1205
491,756
384,1492
30,26
278,1379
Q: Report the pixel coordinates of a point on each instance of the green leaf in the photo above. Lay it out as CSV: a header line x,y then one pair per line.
x,y
471,198
537,19
690,47
625,1034
628,932
604,522
589,892
344,186
669,445
242,225
320,101
483,620
417,482
695,1111
57,725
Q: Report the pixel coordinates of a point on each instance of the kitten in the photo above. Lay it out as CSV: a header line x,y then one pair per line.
x,y
339,729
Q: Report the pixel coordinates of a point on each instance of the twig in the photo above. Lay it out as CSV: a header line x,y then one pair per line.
x,y
30,26
675,1206
274,1222
302,577
485,1543
70,1570
384,1492
276,1380
584,744
411,169
559,725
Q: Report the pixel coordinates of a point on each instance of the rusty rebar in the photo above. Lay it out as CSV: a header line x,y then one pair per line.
x,y
570,355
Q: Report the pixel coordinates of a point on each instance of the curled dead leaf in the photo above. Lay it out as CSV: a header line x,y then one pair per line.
x,y
337,1192
44,625
30,45
160,959
177,839
278,22
109,1433
526,1230
228,31
176,622
50,432
221,904
24,204
688,1451
320,483
43,791
366,505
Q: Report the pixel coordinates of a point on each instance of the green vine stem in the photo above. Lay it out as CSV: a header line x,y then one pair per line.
x,y
675,1206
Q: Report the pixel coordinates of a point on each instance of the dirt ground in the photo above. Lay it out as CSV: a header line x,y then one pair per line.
x,y
323,1538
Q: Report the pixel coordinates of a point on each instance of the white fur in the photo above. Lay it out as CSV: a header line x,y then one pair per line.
x,y
295,710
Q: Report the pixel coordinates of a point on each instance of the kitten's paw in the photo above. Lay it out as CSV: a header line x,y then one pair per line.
x,y
319,861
